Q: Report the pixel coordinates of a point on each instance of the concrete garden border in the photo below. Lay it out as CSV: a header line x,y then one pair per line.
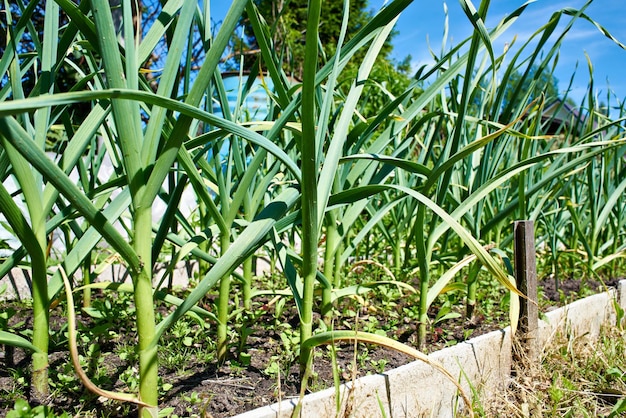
x,y
416,389
482,363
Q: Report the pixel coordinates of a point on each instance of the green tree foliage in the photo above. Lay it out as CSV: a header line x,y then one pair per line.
x,y
531,86
287,20
26,45
72,65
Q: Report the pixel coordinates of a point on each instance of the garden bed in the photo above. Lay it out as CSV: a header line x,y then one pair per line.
x,y
482,364
192,382
384,194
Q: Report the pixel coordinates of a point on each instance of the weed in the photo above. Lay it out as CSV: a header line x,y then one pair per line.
x,y
22,409
18,381
578,377
379,365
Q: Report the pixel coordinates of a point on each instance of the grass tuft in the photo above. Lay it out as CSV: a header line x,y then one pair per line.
x,y
578,377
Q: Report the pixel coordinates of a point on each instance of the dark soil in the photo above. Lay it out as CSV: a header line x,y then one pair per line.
x,y
553,294
200,388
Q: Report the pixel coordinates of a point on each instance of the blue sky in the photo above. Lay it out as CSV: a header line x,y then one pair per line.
x,y
422,24
421,27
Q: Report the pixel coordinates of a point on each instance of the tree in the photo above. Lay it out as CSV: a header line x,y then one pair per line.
x,y
287,20
11,23
534,85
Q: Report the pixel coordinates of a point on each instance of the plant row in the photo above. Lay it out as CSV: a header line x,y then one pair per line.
x,y
425,182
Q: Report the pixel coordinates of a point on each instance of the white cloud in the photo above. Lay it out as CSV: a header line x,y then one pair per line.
x,y
424,21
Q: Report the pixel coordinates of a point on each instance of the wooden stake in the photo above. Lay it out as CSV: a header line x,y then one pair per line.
x,y
526,278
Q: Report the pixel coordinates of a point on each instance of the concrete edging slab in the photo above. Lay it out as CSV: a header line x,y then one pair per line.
x,y
415,389
484,362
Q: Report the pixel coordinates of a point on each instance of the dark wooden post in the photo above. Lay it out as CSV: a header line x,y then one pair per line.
x,y
526,278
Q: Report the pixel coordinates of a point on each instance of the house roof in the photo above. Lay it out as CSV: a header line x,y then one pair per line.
x,y
558,115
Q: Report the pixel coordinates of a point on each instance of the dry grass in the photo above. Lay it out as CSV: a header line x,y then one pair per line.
x,y
577,377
